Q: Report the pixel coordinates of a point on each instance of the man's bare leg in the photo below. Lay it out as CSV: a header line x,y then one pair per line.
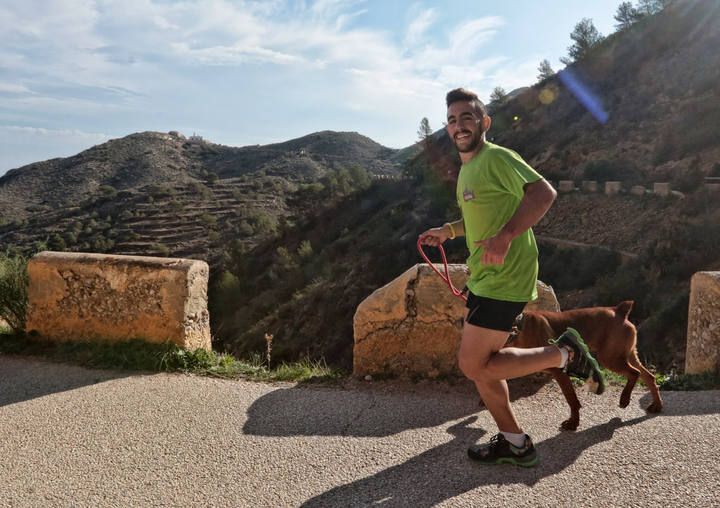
x,y
481,360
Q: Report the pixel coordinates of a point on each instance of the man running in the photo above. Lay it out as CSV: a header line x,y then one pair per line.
x,y
501,197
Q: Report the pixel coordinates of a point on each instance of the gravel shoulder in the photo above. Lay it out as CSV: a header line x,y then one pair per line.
x,y
71,436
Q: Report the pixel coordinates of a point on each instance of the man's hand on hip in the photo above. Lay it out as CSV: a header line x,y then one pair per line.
x,y
495,249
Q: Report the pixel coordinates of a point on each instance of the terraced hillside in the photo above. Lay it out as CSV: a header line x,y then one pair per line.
x,y
155,193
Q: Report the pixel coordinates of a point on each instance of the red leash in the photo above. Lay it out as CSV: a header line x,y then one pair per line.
x,y
446,276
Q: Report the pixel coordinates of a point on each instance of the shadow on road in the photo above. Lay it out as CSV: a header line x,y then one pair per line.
x,y
23,378
686,403
444,472
368,410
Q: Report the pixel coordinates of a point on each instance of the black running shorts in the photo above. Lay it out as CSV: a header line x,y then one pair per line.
x,y
493,314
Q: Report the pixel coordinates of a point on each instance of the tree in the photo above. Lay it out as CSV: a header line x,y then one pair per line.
x,y
424,131
545,70
498,95
586,37
650,7
626,16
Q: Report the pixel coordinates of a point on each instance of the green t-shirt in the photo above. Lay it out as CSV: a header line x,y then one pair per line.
x,y
489,190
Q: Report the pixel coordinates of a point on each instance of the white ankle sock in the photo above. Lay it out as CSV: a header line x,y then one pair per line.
x,y
565,355
515,439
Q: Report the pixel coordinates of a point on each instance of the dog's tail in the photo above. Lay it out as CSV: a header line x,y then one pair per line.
x,y
622,311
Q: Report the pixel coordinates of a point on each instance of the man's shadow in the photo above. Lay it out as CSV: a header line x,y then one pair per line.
x,y
369,410
444,472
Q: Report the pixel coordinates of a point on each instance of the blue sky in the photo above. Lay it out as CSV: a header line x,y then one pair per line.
x,y
75,73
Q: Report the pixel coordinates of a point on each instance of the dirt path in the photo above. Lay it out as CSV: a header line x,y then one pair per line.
x,y
76,437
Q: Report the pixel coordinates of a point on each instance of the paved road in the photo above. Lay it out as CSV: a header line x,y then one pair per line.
x,y
76,437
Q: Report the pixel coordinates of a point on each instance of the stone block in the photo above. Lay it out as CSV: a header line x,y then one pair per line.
x,y
661,189
612,188
637,190
714,187
703,336
411,327
99,297
589,186
566,186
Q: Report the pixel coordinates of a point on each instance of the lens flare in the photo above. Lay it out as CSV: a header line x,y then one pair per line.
x,y
584,95
547,95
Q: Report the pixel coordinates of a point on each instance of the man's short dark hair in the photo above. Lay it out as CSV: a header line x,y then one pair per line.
x,y
461,94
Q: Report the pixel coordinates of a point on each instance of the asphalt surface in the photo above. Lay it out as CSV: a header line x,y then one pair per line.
x,y
70,436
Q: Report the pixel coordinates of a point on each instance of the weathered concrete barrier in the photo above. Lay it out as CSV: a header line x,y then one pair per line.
x,y
566,186
703,336
637,190
589,186
661,189
712,183
612,188
80,296
411,326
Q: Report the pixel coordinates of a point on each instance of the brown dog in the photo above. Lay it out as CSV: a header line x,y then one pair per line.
x,y
611,339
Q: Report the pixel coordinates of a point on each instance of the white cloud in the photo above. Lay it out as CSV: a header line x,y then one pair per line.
x,y
223,55
13,88
157,50
56,133
418,26
20,145
469,36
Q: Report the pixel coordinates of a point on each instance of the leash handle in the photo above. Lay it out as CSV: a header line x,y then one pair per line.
x,y
446,275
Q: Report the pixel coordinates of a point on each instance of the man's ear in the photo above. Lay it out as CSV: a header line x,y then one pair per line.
x,y
486,122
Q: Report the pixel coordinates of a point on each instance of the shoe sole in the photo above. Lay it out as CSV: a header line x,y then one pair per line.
x,y
597,374
509,460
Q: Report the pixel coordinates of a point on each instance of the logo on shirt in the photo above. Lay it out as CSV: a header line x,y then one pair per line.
x,y
468,195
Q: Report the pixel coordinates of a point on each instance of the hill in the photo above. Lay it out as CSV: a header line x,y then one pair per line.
x,y
360,249
164,194
655,90
298,233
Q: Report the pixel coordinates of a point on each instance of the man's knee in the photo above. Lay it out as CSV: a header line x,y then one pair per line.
x,y
472,367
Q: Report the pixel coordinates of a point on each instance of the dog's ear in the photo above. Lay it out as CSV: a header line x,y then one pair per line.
x,y
622,311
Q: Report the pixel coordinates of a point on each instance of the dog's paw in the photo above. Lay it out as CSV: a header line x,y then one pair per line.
x,y
655,407
624,401
570,424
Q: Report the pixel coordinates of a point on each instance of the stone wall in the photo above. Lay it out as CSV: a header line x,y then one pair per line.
x,y
411,326
79,296
703,336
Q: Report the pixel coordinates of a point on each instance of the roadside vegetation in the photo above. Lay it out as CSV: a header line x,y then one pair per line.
x,y
134,354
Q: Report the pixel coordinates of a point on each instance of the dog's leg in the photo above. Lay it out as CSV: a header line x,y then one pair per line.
x,y
623,367
570,396
649,381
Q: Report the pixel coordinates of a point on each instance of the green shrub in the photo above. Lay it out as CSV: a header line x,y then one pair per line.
x,y
201,190
689,382
13,291
208,220
108,191
161,249
305,251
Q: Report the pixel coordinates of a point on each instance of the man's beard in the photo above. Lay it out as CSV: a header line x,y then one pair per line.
x,y
474,142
